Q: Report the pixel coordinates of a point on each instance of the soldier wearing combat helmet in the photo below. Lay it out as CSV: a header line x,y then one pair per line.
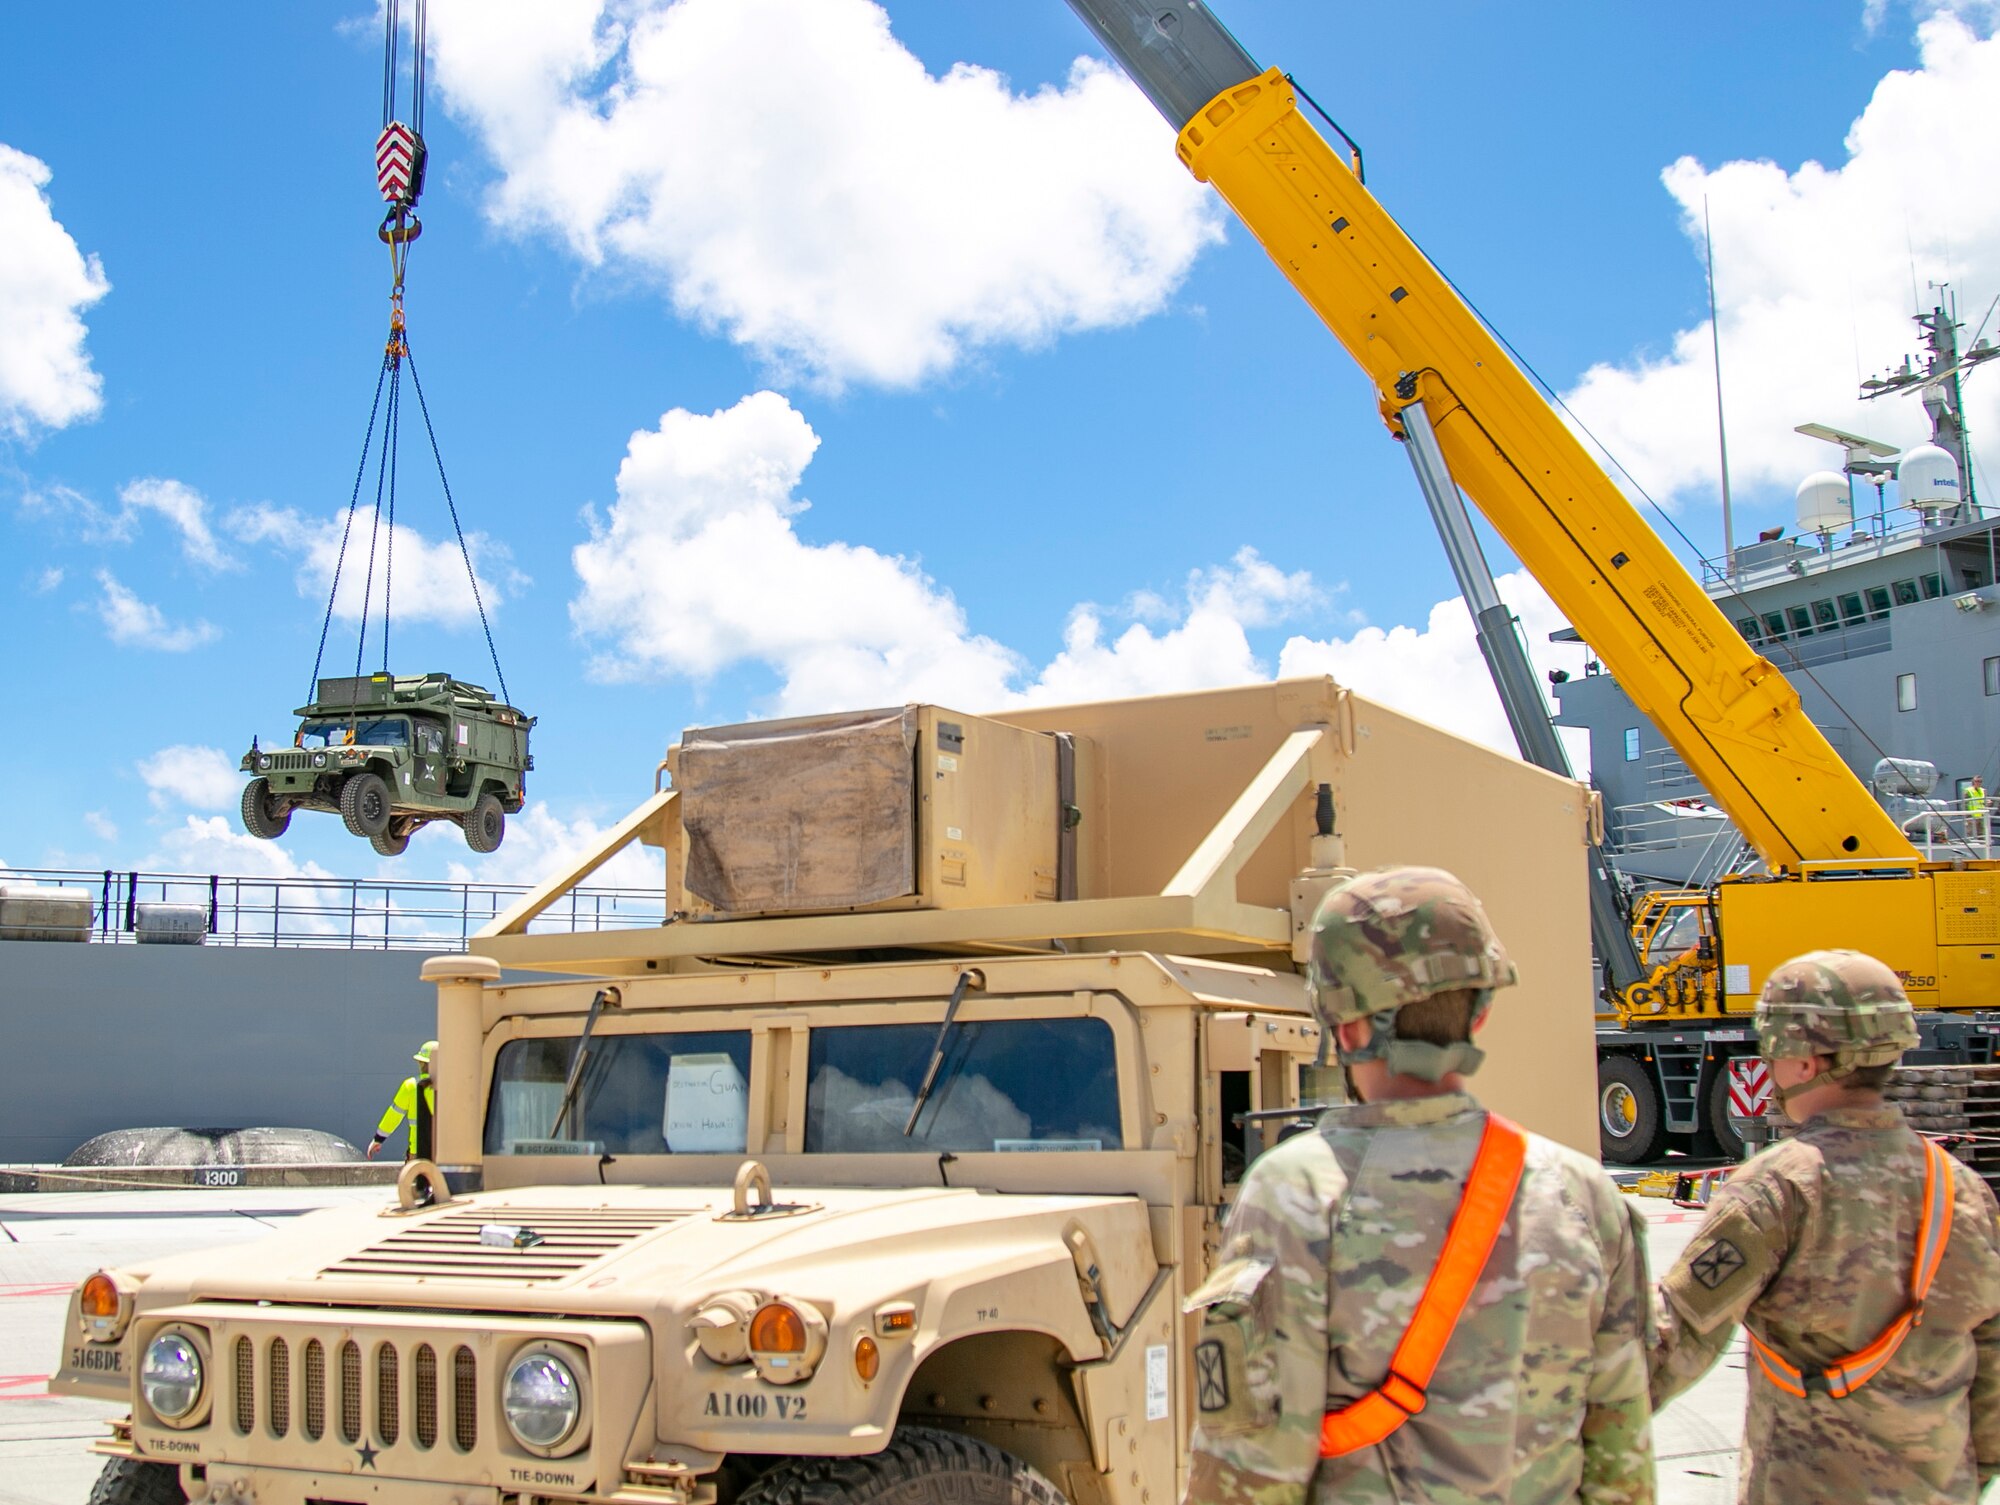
x,y
1419,1301
1828,1248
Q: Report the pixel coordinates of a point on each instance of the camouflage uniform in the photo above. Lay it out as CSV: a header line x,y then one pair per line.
x,y
1541,1394
1810,1245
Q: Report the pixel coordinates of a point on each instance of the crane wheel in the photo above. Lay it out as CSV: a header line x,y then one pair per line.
x,y
1631,1123
485,824
364,804
263,816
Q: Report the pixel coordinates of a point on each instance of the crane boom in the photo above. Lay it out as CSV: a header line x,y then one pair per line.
x,y
1733,718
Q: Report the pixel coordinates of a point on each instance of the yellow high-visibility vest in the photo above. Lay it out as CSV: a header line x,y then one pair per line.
x,y
404,1105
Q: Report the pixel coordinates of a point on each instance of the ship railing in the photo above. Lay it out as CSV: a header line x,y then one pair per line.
x,y
351,914
1943,831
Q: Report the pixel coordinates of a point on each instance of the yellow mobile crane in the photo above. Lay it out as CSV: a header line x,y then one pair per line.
x,y
1840,872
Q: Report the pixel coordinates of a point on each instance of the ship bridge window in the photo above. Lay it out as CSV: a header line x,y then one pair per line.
x,y
1878,601
1004,1084
663,1094
1907,593
1851,609
1906,692
1992,671
1933,586
1801,620
1774,626
1748,627
1825,615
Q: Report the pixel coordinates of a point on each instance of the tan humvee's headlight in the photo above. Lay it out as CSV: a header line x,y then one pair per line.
x,y
319,760
542,1400
263,760
786,1341
170,1375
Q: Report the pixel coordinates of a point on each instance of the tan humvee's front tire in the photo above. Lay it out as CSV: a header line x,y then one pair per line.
x,y
920,1465
128,1481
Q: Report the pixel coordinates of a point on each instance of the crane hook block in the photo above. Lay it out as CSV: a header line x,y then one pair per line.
x,y
399,164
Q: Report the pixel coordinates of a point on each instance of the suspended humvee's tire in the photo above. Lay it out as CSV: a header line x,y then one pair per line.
x,y
127,1481
485,824
364,804
262,816
390,843
919,1464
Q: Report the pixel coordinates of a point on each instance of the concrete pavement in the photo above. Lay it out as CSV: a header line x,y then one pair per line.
x,y
48,1242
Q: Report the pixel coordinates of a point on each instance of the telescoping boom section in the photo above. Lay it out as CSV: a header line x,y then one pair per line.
x,y
1728,712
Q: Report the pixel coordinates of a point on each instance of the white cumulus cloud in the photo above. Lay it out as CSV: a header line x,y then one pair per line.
x,y
1436,672
707,502
46,379
426,579
789,174
1813,273
183,508
538,842
194,778
133,623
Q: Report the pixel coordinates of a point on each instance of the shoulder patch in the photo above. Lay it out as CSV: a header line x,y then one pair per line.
x,y
1716,1263
1211,1377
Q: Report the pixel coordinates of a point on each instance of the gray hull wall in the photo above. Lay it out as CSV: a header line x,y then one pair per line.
x,y
101,1037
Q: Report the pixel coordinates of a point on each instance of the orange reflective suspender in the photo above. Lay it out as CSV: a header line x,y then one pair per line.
x,y
1844,1376
1468,1244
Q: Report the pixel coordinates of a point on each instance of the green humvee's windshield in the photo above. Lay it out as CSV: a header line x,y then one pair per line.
x,y
383,731
679,1094
1005,1084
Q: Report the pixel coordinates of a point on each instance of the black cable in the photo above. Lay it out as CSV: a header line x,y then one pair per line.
x,y
353,501
389,64
465,553
391,437
375,529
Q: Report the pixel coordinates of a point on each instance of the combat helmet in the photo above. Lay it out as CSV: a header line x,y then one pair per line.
x,y
1394,937
1843,1005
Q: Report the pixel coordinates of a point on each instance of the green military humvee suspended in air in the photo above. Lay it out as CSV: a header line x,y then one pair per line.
x,y
391,754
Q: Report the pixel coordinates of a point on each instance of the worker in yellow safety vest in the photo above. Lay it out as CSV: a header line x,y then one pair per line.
x,y
404,1104
1975,807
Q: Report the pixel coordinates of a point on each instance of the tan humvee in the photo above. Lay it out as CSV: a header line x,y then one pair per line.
x,y
891,1157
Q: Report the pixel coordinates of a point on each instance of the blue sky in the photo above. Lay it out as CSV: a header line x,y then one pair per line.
x,y
1062,429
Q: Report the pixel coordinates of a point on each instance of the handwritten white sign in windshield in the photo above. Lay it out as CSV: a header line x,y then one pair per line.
x,y
708,1105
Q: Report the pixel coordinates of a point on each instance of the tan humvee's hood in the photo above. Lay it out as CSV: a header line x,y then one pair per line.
x,y
623,1249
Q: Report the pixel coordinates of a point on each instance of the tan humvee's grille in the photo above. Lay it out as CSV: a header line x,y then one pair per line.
x,y
315,1390
350,1391
465,1398
448,1248
281,1387
290,762
425,1373
388,1414
246,1388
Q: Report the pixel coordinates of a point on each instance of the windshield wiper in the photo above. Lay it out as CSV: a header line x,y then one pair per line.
x,y
971,977
577,1060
